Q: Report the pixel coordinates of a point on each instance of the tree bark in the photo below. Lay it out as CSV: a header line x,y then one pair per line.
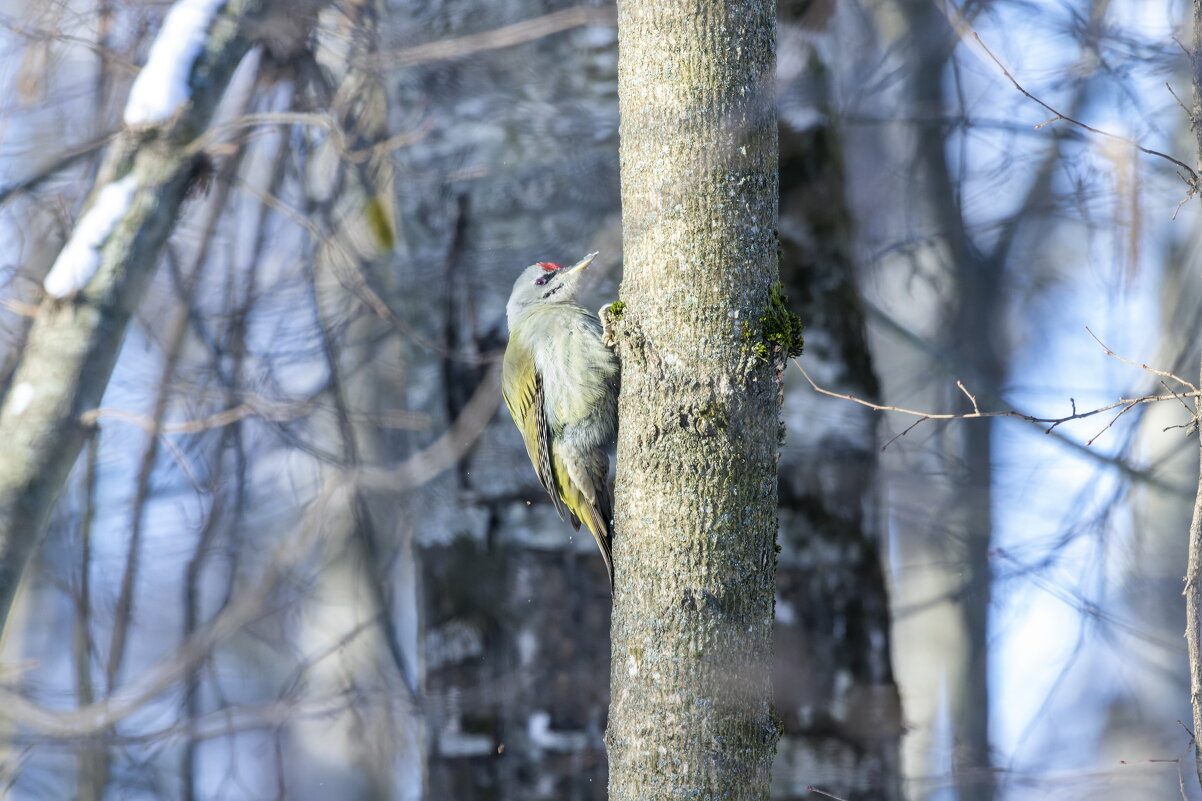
x,y
1193,574
1193,603
73,343
696,492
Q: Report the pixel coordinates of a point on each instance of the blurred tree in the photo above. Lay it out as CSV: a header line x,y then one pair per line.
x,y
520,165
703,337
833,685
967,329
69,353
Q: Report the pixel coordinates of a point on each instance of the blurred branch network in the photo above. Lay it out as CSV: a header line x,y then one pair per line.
x,y
290,550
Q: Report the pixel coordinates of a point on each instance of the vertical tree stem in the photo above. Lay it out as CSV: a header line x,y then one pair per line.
x,y
1193,574
696,491
1193,586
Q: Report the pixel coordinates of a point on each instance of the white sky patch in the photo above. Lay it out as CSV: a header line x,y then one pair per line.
x,y
162,85
21,398
80,258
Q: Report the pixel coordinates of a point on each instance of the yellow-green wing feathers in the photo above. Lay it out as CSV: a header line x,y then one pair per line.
x,y
523,391
571,495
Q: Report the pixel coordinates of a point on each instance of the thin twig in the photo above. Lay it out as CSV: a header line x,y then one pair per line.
x,y
1180,758
507,36
1052,422
64,160
1141,365
971,398
1113,420
811,788
907,430
1193,179
1178,397
1188,113
272,412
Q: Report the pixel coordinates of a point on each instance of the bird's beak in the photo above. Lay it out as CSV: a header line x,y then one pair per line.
x,y
586,261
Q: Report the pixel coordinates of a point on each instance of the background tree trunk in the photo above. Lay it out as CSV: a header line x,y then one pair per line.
x,y
73,344
833,684
1193,574
696,492
514,604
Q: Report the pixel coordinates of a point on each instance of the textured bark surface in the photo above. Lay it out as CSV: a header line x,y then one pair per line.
x,y
1193,575
73,343
1193,613
696,491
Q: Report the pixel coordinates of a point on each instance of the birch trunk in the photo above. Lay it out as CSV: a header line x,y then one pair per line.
x,y
699,413
73,344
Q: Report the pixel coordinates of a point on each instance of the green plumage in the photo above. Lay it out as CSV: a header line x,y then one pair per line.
x,y
523,390
560,385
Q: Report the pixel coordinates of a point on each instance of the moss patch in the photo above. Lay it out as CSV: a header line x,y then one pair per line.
x,y
615,310
779,328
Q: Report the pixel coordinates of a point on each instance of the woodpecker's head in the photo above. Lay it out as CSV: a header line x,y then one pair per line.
x,y
544,283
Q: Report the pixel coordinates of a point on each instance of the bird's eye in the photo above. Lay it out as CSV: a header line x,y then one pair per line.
x,y
541,281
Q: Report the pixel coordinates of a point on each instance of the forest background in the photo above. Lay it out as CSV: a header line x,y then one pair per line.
x,y
302,553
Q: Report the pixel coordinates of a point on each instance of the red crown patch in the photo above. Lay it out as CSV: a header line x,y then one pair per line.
x,y
549,266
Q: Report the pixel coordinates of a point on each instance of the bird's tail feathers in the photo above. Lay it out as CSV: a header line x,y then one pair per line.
x,y
594,508
597,517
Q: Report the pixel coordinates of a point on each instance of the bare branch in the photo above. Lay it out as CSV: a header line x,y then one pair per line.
x,y
1192,181
325,121
971,398
1052,422
1141,365
506,36
274,412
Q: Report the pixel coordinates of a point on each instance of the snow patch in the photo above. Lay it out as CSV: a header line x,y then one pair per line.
x,y
21,397
458,744
80,257
162,85
538,729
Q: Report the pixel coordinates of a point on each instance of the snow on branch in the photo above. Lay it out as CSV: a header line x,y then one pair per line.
x,y
163,84
80,257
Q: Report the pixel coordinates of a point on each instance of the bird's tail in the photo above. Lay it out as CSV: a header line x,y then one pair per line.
x,y
593,508
598,516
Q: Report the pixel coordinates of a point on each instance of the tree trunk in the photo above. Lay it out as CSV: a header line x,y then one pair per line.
x,y
1193,575
696,492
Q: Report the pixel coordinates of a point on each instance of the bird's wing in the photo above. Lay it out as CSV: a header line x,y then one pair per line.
x,y
522,387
